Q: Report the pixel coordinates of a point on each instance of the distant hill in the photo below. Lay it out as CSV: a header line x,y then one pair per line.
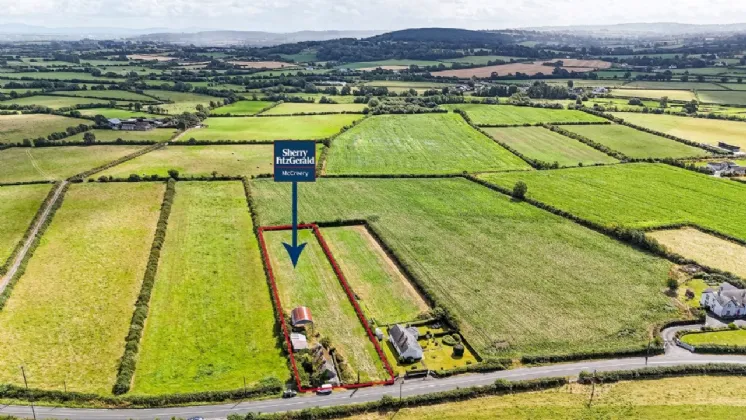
x,y
250,38
656,28
442,35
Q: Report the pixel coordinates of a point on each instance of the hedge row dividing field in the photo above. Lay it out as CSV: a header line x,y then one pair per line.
x,y
18,205
695,129
518,280
311,127
68,314
211,322
417,144
544,145
120,113
55,163
156,135
635,143
638,195
57,102
487,115
123,95
15,128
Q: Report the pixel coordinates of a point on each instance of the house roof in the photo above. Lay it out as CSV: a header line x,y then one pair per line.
x,y
298,341
301,315
404,339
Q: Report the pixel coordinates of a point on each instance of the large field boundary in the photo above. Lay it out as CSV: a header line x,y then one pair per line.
x,y
350,296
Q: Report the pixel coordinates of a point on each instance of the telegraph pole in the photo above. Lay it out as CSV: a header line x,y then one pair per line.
x,y
31,401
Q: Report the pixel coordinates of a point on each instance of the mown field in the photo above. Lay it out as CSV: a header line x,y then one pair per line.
x,y
156,135
69,314
384,293
635,143
211,322
547,146
61,75
672,85
560,287
54,163
388,63
122,114
723,97
695,129
183,101
693,397
15,128
509,114
123,95
18,205
242,108
674,95
638,195
310,127
313,284
56,102
417,144
233,160
297,108
704,248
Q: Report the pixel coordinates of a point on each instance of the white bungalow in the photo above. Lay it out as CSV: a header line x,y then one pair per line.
x,y
726,301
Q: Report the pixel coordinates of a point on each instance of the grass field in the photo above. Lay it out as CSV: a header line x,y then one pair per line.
x,y
183,101
674,95
723,338
55,102
18,205
275,128
157,135
55,163
388,63
730,97
384,293
296,108
695,129
61,75
693,397
509,114
122,114
21,90
704,248
734,86
242,108
316,97
518,279
69,314
408,84
211,322
639,196
635,143
108,94
15,128
417,144
672,85
313,284
480,59
233,160
544,145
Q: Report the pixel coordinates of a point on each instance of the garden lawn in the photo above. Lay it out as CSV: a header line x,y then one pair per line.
x,y
635,143
232,160
417,144
56,102
68,315
242,108
515,277
700,130
313,284
704,248
155,135
22,164
122,95
723,97
122,114
15,128
298,108
721,338
518,115
638,195
211,322
18,205
384,292
547,146
310,127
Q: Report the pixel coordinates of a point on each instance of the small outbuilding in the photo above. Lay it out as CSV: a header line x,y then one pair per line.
x,y
301,316
298,341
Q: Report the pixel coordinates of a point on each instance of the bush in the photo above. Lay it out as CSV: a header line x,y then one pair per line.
x,y
173,173
519,190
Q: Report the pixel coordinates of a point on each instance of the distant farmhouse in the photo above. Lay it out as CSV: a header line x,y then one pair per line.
x,y
405,342
729,147
726,168
134,124
727,301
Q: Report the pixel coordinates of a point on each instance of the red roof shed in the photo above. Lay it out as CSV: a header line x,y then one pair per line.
x,y
301,316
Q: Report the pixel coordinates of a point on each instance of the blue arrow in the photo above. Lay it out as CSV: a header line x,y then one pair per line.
x,y
294,250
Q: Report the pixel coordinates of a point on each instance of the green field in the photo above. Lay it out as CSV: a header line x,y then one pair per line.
x,y
316,97
408,84
15,128
734,86
313,284
69,314
695,129
546,146
211,322
233,160
55,102
310,127
510,115
392,62
729,97
61,75
385,295
21,90
297,108
417,144
635,143
122,114
157,135
517,278
672,85
108,94
242,108
18,205
674,95
639,196
304,56
55,163
721,338
183,101
481,60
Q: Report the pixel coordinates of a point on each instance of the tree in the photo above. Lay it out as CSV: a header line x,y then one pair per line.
x,y
635,101
700,78
664,102
724,79
570,84
100,120
739,79
519,190
138,106
173,173
691,107
89,138
672,284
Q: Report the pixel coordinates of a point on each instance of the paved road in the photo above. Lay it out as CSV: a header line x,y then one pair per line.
x,y
407,388
21,255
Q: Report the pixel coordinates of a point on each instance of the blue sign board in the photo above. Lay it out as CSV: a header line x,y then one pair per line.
x,y
295,161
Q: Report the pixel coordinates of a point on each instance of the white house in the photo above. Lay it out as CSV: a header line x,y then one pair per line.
x,y
727,301
405,342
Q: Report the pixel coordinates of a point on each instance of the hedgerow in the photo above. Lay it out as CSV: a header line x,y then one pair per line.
x,y
81,176
598,146
662,372
654,350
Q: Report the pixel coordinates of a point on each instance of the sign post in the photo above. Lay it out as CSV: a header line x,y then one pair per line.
x,y
295,161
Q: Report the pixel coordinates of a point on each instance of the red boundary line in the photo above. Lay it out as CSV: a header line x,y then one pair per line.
x,y
350,296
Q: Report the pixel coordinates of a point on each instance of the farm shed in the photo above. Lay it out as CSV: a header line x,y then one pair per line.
x,y
298,341
301,316
405,342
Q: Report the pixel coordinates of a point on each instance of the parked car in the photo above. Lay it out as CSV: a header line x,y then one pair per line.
x,y
325,389
289,393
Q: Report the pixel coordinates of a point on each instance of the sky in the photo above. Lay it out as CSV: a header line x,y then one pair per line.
x,y
295,15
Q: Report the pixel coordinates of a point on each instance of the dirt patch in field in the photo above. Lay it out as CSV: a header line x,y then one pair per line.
x,y
384,68
263,64
149,57
505,69
704,248
573,62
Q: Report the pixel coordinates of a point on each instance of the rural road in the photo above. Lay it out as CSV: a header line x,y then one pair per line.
x,y
407,388
21,255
